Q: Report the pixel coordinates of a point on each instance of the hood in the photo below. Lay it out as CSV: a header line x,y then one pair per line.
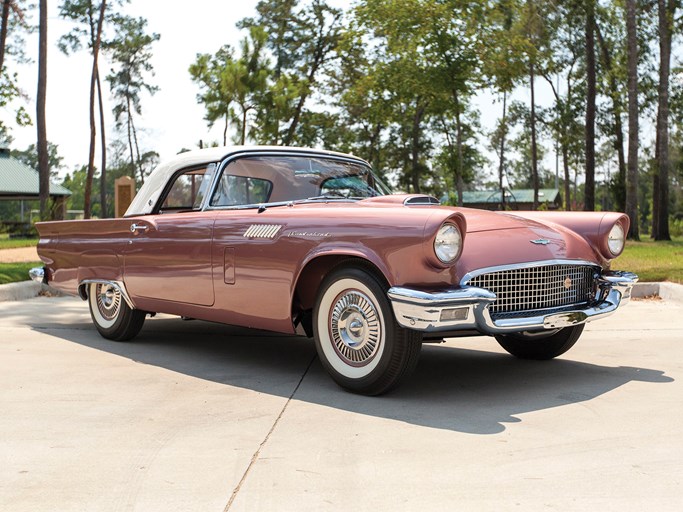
x,y
502,239
484,220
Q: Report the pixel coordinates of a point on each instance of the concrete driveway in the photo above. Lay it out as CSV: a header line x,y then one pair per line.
x,y
200,417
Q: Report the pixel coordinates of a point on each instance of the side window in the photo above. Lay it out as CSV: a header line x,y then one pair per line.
x,y
188,190
241,190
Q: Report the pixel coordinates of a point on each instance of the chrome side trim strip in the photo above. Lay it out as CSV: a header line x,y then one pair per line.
x,y
118,285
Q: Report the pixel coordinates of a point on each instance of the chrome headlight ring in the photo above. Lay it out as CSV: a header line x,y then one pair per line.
x,y
448,243
616,239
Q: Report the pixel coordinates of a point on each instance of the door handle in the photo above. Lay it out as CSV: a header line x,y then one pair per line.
x,y
138,227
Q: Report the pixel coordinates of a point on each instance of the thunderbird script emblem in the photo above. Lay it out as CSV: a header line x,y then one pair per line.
x,y
540,241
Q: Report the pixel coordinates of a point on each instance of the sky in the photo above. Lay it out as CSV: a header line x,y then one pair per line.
x,y
172,118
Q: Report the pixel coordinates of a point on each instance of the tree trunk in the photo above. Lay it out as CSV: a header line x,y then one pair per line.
x,y
589,195
43,164
567,179
4,28
244,125
103,141
225,130
501,161
291,131
632,80
138,160
459,185
129,129
93,83
415,147
660,191
534,148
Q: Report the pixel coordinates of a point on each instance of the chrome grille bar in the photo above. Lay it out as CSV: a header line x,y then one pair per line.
x,y
541,287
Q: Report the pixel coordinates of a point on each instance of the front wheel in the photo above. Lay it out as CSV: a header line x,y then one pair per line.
x,y
540,345
110,313
359,342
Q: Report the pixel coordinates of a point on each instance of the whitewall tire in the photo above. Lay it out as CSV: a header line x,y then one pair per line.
x,y
357,338
112,316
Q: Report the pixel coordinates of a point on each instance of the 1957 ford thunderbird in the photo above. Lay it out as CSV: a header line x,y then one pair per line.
x,y
311,242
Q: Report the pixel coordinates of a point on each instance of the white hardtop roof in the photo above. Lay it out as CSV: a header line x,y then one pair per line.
x,y
147,196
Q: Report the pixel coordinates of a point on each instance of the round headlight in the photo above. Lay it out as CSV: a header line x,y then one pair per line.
x,y
615,240
448,243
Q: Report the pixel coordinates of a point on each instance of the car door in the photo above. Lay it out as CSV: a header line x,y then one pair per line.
x,y
168,256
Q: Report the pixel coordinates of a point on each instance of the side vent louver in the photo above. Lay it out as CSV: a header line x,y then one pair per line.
x,y
262,231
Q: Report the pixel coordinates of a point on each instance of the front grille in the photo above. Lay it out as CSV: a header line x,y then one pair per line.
x,y
538,288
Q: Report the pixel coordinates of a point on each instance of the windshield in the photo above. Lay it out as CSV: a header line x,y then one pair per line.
x,y
259,180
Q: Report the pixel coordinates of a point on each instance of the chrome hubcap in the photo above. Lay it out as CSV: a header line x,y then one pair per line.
x,y
108,301
355,328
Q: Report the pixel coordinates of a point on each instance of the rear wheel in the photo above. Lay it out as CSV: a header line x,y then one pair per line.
x,y
112,316
540,345
358,340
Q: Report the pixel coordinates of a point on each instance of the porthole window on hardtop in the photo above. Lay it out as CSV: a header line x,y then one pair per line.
x,y
188,190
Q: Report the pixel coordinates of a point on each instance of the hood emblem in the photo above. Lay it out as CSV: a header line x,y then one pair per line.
x,y
568,282
540,241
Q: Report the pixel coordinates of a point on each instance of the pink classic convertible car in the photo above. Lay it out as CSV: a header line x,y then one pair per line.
x,y
311,242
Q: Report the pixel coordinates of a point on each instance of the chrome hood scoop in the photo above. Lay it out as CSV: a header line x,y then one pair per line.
x,y
404,199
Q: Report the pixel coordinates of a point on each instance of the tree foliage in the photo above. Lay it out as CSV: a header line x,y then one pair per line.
x,y
130,51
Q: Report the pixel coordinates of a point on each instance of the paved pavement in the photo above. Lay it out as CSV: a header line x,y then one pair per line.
x,y
20,254
199,417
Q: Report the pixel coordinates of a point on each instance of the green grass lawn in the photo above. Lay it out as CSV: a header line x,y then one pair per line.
x,y
653,261
14,272
13,243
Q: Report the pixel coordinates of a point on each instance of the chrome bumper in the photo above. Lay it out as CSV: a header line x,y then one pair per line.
x,y
466,308
37,274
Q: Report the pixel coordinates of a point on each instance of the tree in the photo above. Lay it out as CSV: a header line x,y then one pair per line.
x,y
207,72
29,157
532,26
4,28
589,194
90,18
660,189
503,64
226,80
564,76
612,73
131,52
43,164
632,165
13,24
303,42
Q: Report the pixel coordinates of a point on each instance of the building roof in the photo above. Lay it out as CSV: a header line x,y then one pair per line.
x,y
18,180
524,195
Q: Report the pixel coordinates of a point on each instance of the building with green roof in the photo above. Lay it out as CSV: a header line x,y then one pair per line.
x,y
515,199
19,182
